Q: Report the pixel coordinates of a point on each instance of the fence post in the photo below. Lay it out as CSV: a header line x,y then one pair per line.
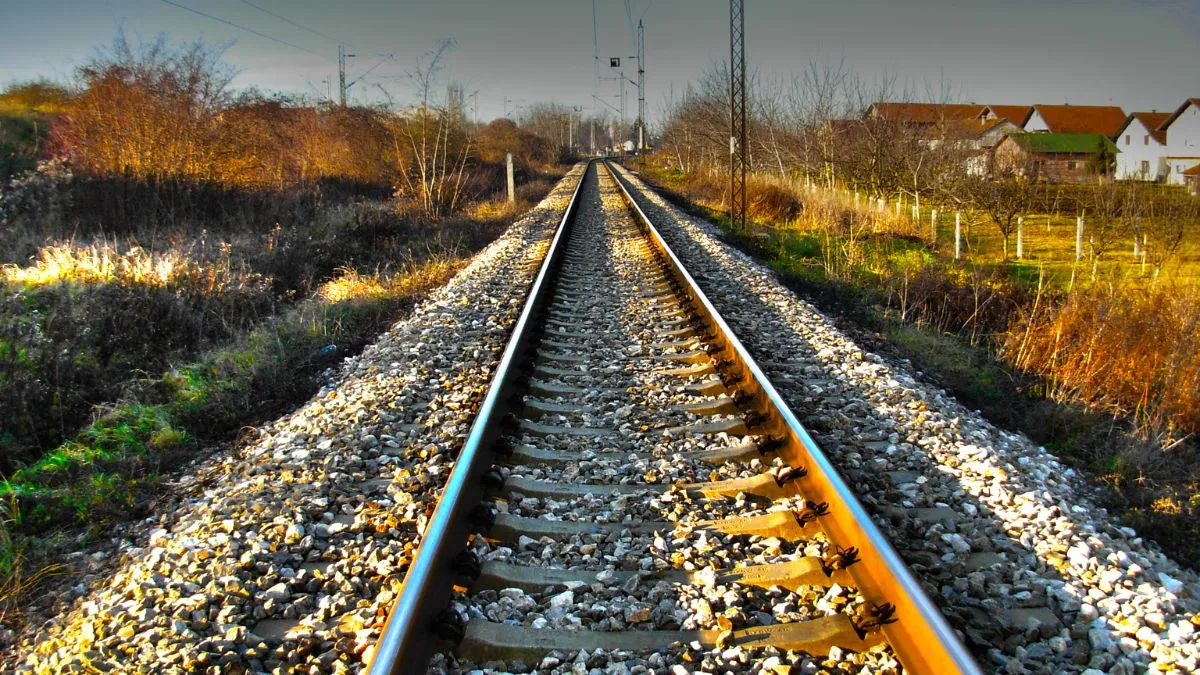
x,y
1020,237
897,207
957,235
933,226
512,189
1079,237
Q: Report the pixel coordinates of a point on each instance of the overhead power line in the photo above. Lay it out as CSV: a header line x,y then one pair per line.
x,y
268,12
243,28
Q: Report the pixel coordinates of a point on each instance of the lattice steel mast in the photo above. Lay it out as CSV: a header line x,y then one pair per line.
x,y
737,116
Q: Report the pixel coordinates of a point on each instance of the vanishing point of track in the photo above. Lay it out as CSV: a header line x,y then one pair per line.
x,y
634,483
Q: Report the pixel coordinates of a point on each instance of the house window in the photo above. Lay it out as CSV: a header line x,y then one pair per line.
x,y
1145,167
1126,139
1146,140
1071,165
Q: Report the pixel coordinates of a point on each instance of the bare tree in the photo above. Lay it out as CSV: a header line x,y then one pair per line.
x,y
1112,209
1003,199
431,143
1164,223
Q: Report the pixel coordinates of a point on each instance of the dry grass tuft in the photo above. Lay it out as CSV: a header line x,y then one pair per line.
x,y
107,263
1132,352
410,280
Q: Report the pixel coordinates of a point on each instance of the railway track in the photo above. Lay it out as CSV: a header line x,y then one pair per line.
x,y
635,491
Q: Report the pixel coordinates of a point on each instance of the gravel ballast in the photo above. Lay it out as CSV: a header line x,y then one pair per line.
x,y
285,556
1008,540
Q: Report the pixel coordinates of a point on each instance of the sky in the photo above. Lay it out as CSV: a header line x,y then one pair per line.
x,y
1139,54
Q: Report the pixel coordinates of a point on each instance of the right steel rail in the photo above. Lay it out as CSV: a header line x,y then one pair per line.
x,y
919,634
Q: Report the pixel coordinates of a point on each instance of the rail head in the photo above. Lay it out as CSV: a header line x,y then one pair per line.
x,y
408,640
921,637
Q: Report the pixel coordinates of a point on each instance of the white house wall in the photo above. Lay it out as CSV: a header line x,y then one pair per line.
x,y
1183,144
1036,123
1136,146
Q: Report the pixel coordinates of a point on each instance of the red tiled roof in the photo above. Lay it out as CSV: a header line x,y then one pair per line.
x,y
995,122
1082,119
1194,171
926,113
1191,101
1152,121
1017,114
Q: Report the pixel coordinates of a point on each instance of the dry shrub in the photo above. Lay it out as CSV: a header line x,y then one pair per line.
x,y
768,203
1133,352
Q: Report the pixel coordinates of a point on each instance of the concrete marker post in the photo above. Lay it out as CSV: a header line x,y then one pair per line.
x,y
1020,237
1079,237
957,235
512,188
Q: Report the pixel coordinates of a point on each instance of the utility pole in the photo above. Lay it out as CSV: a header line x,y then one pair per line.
x,y
342,56
641,86
622,101
737,116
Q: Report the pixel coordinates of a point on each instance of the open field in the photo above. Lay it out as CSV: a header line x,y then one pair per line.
x,y
1049,241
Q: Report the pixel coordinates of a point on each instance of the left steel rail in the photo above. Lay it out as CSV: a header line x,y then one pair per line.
x,y
409,638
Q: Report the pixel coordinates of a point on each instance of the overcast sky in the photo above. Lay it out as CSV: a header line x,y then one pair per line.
x,y
1139,54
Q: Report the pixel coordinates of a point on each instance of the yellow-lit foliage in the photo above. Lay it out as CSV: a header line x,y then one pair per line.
x,y
38,96
413,279
102,263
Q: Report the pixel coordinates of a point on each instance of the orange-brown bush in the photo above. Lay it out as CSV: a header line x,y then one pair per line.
x,y
1133,352
162,113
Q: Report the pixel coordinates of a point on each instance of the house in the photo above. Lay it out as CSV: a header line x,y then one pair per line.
x,y
962,126
1183,140
1050,157
1192,177
985,140
1016,114
1143,147
1076,119
995,130
924,115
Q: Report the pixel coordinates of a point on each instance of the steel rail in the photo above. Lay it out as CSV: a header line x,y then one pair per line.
x,y
408,640
920,636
